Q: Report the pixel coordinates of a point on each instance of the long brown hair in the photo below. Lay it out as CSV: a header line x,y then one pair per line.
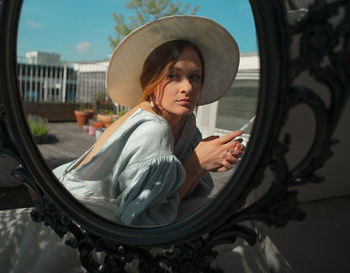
x,y
161,60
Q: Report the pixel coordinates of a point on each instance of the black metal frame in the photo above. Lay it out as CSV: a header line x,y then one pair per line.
x,y
188,244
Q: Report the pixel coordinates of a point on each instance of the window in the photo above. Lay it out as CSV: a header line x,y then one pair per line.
x,y
238,105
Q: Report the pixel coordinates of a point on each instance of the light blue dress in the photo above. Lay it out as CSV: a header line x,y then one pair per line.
x,y
139,168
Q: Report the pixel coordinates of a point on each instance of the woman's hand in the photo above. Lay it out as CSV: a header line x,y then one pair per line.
x,y
219,153
214,153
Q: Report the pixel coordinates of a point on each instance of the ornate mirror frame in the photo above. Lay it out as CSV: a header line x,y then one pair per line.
x,y
187,245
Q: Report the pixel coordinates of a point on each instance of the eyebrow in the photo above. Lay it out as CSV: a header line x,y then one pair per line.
x,y
193,71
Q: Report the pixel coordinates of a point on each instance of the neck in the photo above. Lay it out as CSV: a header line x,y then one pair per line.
x,y
176,124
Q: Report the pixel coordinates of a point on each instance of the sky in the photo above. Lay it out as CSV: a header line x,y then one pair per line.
x,y
78,30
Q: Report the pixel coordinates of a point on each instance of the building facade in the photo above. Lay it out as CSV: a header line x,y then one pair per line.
x,y
37,57
43,77
91,79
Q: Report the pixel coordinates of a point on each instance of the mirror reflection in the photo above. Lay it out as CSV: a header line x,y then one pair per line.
x,y
164,133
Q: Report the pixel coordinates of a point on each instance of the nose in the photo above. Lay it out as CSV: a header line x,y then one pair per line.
x,y
185,86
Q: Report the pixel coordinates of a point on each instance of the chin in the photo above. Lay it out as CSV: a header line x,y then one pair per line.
x,y
186,111
182,112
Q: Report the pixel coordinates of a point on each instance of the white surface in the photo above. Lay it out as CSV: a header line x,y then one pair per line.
x,y
28,247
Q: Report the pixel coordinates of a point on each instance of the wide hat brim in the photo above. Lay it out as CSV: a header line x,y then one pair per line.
x,y
219,49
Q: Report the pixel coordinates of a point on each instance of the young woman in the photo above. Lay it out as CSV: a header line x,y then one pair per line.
x,y
153,156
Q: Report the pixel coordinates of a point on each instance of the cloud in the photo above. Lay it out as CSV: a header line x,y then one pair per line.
x,y
83,47
34,24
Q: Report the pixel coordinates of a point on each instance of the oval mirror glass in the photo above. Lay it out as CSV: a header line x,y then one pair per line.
x,y
63,54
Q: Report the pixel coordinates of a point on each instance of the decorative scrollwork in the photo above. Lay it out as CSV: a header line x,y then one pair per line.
x,y
190,256
319,40
324,54
324,50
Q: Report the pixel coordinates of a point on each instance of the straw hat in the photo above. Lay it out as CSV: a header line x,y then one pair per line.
x,y
219,49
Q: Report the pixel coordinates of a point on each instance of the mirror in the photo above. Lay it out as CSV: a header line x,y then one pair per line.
x,y
286,81
62,61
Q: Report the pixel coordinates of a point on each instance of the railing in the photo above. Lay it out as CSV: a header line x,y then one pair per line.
x,y
119,108
47,83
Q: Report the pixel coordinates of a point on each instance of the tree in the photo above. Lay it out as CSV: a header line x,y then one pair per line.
x,y
145,11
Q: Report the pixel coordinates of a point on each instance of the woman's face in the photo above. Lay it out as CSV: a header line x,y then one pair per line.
x,y
178,93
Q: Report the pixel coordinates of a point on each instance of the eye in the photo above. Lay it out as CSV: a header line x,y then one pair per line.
x,y
172,76
196,76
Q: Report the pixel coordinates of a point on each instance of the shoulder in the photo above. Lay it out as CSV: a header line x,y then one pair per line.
x,y
150,136
152,127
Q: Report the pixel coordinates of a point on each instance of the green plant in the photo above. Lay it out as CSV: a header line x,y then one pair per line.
x,y
121,112
38,125
84,106
145,11
100,95
101,103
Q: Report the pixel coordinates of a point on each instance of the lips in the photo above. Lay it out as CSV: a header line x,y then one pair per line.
x,y
188,100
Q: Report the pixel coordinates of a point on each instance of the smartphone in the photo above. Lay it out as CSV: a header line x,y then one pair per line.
x,y
245,126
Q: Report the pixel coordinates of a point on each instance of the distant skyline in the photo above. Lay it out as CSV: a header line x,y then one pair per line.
x,y
78,30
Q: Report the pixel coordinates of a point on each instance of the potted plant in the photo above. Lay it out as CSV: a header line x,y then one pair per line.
x,y
109,123
98,124
39,128
99,132
91,128
86,128
121,112
89,113
80,117
106,117
83,114
103,107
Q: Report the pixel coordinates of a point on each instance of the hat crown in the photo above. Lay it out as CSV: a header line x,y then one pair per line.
x,y
218,47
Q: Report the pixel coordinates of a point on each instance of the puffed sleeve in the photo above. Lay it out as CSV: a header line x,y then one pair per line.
x,y
148,195
148,183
